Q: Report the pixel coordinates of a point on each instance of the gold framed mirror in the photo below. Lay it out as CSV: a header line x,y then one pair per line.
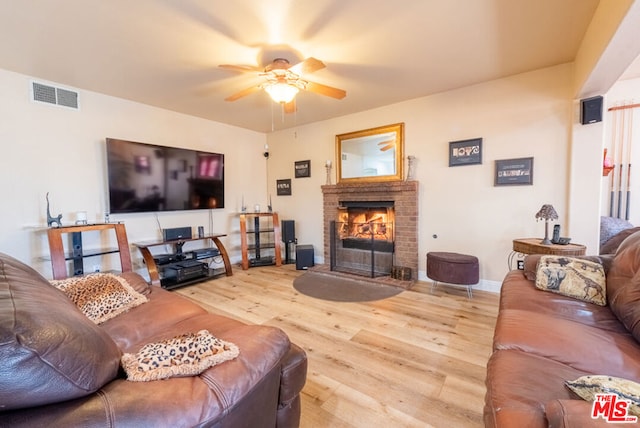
x,y
371,155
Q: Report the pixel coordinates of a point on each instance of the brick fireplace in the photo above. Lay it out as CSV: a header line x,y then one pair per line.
x,y
403,195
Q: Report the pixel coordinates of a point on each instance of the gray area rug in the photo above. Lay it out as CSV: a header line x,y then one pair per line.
x,y
340,289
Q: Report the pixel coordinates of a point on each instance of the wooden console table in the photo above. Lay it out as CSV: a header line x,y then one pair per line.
x,y
152,266
534,246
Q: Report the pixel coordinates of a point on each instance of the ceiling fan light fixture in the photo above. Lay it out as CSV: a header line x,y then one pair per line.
x,y
281,92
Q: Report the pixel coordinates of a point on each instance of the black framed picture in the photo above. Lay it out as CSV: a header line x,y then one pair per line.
x,y
514,172
283,187
302,168
465,152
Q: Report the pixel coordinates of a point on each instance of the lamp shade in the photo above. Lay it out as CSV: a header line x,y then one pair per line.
x,y
281,92
547,212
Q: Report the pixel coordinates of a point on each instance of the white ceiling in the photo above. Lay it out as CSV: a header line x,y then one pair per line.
x,y
166,52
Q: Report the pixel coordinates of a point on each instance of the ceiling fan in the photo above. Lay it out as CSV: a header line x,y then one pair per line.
x,y
282,81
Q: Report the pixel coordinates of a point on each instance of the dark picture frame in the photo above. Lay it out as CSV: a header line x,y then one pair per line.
x,y
517,171
302,168
283,187
465,152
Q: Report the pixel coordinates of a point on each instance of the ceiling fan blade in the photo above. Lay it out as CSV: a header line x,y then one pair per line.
x,y
388,147
290,107
307,66
243,93
241,68
328,91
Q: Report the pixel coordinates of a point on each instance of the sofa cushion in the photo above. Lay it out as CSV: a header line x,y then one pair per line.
x,y
577,278
185,355
586,387
50,351
100,296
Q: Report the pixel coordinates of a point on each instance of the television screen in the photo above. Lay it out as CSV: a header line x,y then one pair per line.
x,y
145,177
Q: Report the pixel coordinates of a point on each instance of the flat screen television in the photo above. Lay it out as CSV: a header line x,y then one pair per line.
x,y
146,178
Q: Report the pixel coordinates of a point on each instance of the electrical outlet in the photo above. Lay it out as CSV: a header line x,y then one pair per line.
x,y
96,268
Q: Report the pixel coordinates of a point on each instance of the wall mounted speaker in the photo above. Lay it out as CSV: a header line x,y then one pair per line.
x,y
288,231
591,110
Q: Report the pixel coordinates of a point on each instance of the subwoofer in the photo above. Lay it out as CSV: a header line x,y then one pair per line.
x,y
591,110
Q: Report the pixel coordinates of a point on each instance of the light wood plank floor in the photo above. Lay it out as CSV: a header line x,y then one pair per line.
x,y
414,360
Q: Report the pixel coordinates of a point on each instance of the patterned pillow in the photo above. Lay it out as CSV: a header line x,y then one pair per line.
x,y
185,355
586,387
573,277
100,296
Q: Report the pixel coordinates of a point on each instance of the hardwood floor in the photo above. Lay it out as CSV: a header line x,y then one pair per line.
x,y
413,360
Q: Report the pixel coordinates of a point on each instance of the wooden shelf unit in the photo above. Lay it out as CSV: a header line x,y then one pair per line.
x,y
264,226
77,254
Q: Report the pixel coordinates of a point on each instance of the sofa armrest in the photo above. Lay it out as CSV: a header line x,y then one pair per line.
x,y
294,375
574,414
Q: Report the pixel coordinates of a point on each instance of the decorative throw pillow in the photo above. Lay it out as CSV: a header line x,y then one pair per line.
x,y
185,355
586,387
100,296
573,277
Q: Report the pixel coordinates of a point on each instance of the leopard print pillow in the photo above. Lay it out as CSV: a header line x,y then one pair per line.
x,y
185,355
100,296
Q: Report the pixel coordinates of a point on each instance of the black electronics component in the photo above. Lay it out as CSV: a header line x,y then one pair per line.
x,y
591,110
176,233
205,253
189,269
304,256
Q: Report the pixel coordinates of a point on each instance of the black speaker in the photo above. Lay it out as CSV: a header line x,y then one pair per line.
x,y
591,110
288,230
176,233
304,256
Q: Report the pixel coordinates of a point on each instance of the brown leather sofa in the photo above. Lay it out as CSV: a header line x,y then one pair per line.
x,y
59,369
543,339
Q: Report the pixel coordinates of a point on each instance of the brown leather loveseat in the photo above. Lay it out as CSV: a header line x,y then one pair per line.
x,y
60,369
543,339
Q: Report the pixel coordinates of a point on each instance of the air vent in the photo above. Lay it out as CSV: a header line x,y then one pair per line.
x,y
54,95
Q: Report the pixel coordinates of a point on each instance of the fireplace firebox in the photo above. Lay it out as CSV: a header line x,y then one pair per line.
x,y
362,241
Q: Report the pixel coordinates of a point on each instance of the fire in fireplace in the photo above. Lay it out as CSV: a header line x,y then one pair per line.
x,y
366,225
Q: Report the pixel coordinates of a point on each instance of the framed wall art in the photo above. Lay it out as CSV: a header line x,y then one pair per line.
x,y
283,187
514,172
302,168
465,152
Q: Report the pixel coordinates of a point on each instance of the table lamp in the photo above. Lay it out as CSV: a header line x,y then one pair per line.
x,y
547,213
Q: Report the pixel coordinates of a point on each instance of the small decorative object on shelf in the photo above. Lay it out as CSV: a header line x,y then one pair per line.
x,y
607,164
81,217
547,212
50,220
328,167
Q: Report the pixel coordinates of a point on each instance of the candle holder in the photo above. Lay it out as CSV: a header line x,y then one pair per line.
x,y
328,168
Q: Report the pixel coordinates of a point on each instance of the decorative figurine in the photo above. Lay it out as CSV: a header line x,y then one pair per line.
x,y
51,220
327,165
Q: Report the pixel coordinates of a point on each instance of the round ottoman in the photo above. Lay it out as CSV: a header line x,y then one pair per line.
x,y
453,268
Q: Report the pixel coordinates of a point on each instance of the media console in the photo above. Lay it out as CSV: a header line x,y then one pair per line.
x,y
180,268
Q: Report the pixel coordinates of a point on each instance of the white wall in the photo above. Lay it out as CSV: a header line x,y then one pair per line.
x,y
61,151
520,116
